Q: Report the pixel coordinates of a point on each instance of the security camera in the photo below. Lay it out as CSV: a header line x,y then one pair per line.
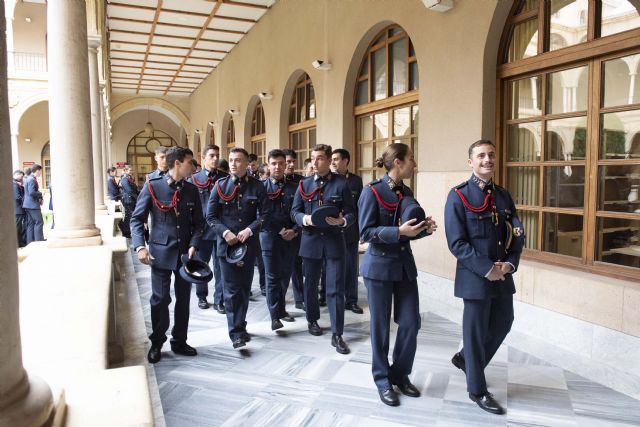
x,y
320,64
265,95
211,124
233,111
197,130
438,5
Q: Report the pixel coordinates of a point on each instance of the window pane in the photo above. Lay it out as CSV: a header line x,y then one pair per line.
x,y
363,92
562,234
523,144
415,118
529,221
619,241
301,107
402,121
366,128
312,138
524,41
618,16
382,125
414,76
522,183
620,135
366,155
367,176
380,147
312,102
528,5
622,81
398,77
567,91
379,67
566,139
568,23
564,186
365,67
525,97
618,188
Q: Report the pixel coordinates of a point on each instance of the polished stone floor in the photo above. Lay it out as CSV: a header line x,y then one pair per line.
x,y
291,378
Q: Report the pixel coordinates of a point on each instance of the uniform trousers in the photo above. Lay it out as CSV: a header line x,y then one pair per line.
x,y
351,274
278,265
160,300
485,324
21,229
334,271
206,252
403,297
297,278
129,205
34,225
236,282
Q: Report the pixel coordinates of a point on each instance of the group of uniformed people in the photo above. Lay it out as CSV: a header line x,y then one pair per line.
x,y
236,219
28,200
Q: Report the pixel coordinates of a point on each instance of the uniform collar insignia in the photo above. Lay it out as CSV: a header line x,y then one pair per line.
x,y
327,177
393,186
211,172
482,183
235,178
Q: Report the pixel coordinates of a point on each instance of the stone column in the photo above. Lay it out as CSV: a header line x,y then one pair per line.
x,y
24,401
103,137
14,152
99,174
70,125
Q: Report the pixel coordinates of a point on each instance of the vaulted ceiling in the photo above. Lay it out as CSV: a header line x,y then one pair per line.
x,y
162,47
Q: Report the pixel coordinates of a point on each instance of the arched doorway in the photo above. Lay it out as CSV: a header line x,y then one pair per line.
x,y
141,152
386,100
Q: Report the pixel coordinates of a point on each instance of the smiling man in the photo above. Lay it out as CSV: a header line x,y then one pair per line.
x,y
486,237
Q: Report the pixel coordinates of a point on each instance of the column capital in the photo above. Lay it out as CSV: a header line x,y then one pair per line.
x,y
94,41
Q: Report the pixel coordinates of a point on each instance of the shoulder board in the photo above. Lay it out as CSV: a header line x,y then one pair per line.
x,y
459,186
155,178
374,182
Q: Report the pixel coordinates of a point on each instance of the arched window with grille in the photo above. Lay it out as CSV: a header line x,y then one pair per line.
x,y
259,134
569,138
302,120
141,152
386,100
231,136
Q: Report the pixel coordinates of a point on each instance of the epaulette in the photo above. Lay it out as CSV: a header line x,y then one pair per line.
x,y
459,186
155,178
374,182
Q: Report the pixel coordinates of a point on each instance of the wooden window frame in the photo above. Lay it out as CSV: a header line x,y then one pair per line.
x,y
231,136
157,135
309,124
259,134
593,53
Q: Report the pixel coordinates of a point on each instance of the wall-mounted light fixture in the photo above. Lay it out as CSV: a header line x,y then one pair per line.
x,y
265,95
321,64
438,5
27,19
27,140
234,111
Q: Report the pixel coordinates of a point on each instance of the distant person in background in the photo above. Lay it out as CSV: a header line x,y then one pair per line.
x,y
161,161
263,172
252,169
223,165
18,197
308,167
53,218
32,205
113,190
27,172
129,198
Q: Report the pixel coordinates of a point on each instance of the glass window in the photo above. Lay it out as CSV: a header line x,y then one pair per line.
x,y
563,234
363,92
398,77
529,221
414,76
567,91
622,81
618,188
524,41
140,152
619,241
526,97
566,24
379,68
566,139
528,5
523,183
523,144
620,135
618,16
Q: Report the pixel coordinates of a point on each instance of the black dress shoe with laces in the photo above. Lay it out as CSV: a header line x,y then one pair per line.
x,y
239,342
300,306
155,353
315,329
276,324
183,348
322,302
339,344
389,397
202,303
287,317
406,388
219,308
354,308
486,402
458,362
246,336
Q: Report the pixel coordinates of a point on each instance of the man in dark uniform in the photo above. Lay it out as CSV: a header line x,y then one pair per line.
x,y
161,161
324,245
129,197
340,159
177,220
205,180
296,276
113,190
32,205
486,236
277,239
238,208
18,198
252,169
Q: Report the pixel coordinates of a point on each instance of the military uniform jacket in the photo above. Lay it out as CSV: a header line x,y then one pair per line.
x,y
32,194
177,220
113,191
235,204
294,177
280,194
156,174
313,192
478,238
387,256
18,197
351,234
129,188
205,180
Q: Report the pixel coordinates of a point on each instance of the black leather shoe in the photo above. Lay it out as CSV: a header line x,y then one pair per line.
x,y
339,344
315,329
287,317
263,291
300,306
183,348
389,397
219,308
486,402
202,303
155,353
354,308
406,387
239,342
458,362
276,324
322,302
246,336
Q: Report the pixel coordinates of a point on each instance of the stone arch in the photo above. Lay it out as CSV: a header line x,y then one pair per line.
x,y
285,101
23,106
156,104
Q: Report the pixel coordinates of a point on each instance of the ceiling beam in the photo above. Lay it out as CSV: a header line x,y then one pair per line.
x,y
186,12
161,62
168,55
171,36
169,46
153,29
171,24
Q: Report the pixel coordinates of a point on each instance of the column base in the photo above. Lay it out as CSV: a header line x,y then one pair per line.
x,y
65,238
32,409
101,209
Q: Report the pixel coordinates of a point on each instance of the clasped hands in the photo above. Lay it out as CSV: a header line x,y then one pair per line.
x,y
499,270
241,237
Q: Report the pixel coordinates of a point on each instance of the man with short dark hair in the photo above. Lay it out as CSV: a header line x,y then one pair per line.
x,y
238,209
205,180
308,167
161,160
253,165
129,196
113,191
323,243
296,276
18,198
176,215
340,159
32,205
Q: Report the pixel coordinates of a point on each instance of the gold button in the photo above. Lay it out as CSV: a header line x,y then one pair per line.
x,y
402,248
384,253
239,219
178,240
499,243
177,226
322,233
